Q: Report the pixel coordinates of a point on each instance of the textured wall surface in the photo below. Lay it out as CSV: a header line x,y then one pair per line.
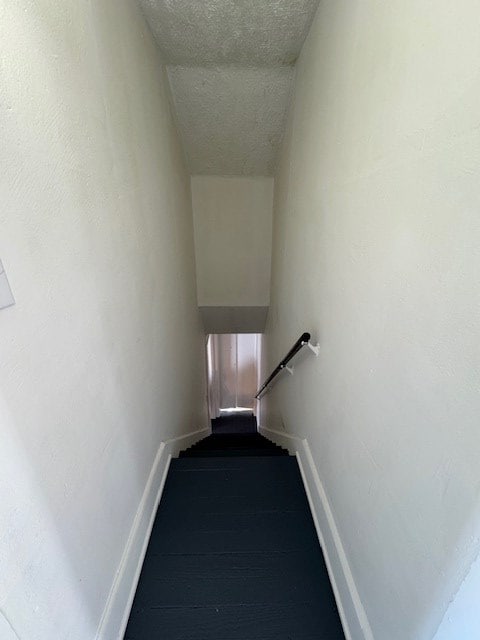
x,y
101,358
231,76
376,252
461,619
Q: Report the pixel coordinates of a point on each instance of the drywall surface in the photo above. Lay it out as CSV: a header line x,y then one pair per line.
x,y
461,619
376,236
101,356
234,319
233,240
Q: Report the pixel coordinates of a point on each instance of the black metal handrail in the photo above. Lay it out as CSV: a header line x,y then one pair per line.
x,y
301,342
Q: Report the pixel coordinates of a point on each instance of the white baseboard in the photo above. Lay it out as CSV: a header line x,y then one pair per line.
x,y
354,619
117,609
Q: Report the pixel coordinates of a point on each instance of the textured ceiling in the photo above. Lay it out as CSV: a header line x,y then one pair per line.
x,y
231,120
230,68
248,32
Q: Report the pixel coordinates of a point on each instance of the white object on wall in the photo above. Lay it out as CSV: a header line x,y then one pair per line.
x,y
6,296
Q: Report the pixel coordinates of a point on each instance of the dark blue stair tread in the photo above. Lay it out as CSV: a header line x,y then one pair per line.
x,y
246,463
231,578
271,491
228,442
224,482
276,497
273,520
176,504
210,490
234,445
253,444
235,622
235,423
285,531
240,437
233,452
249,467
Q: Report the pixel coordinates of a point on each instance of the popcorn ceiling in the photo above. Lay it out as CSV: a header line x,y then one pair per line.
x,y
230,67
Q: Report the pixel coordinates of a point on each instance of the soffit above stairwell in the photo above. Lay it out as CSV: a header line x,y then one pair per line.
x,y
230,64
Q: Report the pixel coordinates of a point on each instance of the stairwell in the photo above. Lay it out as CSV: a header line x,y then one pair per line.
x,y
233,552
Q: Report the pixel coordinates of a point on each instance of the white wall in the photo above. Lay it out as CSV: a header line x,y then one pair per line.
x,y
461,619
376,236
233,240
101,357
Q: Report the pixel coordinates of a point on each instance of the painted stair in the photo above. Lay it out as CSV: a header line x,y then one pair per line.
x,y
243,444
233,553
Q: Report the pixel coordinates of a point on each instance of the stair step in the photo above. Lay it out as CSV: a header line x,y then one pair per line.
x,y
260,621
230,578
243,463
231,485
205,453
262,503
234,533
234,509
234,445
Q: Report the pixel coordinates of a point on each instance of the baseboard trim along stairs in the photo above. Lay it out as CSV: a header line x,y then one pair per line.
x,y
352,613
117,609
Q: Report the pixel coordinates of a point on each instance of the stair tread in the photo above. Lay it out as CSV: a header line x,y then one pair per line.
x,y
222,453
235,622
214,483
229,578
286,531
234,445
223,462
242,504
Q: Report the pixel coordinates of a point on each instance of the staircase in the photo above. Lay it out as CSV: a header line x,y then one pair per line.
x,y
233,553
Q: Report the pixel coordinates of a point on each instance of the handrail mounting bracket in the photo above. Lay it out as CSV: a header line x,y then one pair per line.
x,y
314,347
